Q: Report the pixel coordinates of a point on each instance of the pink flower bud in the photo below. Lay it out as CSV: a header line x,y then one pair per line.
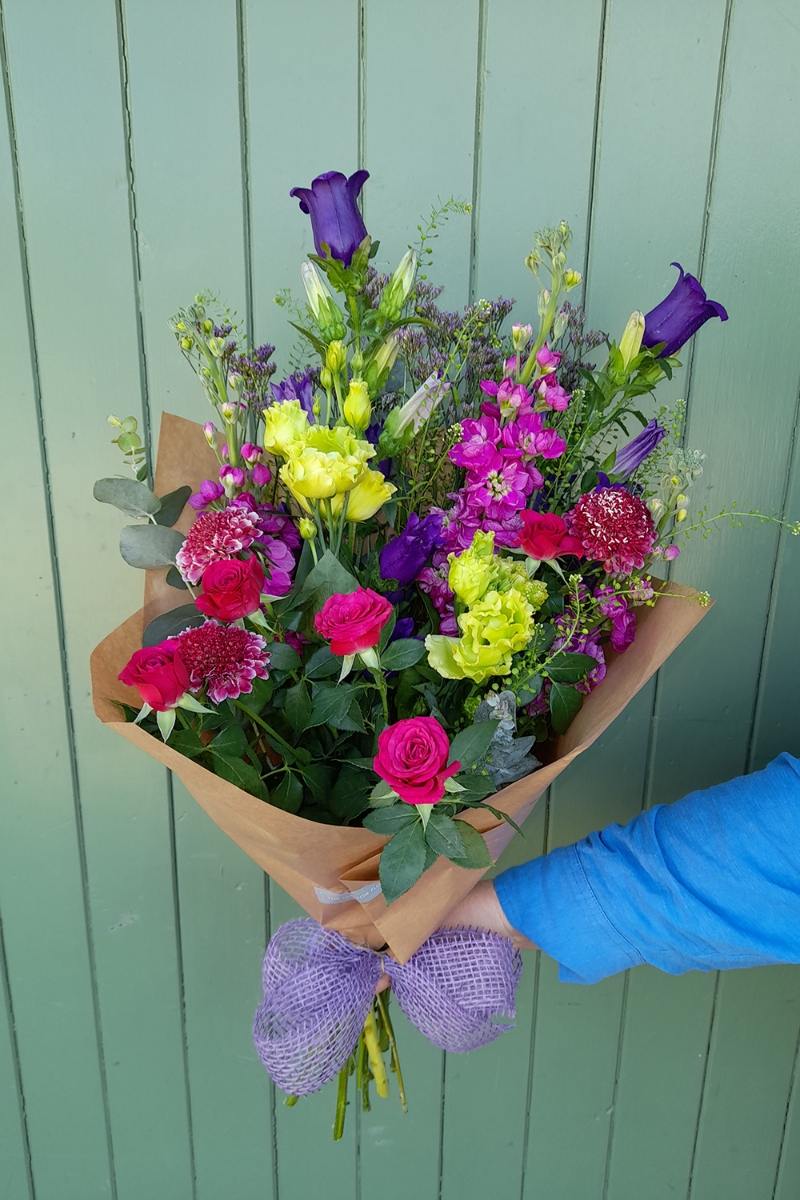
x,y
209,429
671,552
251,453
231,476
260,474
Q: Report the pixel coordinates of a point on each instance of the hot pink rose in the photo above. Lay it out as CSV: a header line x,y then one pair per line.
x,y
544,535
159,673
412,758
353,622
231,589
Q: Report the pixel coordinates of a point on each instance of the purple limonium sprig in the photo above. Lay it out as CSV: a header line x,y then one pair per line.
x,y
335,219
680,314
633,454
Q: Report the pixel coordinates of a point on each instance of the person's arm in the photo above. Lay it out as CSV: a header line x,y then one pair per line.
x,y
712,881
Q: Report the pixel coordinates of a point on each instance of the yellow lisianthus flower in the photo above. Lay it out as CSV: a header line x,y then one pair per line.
x,y
441,656
323,463
366,498
284,423
472,571
495,628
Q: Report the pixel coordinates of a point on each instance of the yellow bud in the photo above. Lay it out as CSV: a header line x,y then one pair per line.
x,y
336,357
674,481
681,500
308,529
186,343
326,379
681,514
357,408
572,278
631,341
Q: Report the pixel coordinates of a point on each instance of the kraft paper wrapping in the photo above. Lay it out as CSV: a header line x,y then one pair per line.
x,y
303,855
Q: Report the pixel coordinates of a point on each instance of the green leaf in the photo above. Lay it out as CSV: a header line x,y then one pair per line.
x,y
401,654
171,623
476,853
288,795
231,742
403,861
149,546
382,794
172,505
175,579
476,788
352,721
260,695
569,668
443,836
387,631
128,495
186,742
237,772
331,703
298,706
349,796
565,704
326,579
469,746
322,664
318,779
283,657
387,821
528,690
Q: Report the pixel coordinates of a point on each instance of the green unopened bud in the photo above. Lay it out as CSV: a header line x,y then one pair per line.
x,y
377,372
357,362
631,340
215,347
114,422
543,301
560,324
236,381
357,409
521,335
336,357
681,500
187,343
396,291
326,379
572,278
308,529
208,326
681,514
316,288
656,506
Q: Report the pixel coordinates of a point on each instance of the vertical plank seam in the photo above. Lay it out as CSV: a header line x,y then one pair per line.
x,y
623,1012
774,588
477,147
702,1097
605,8
12,1033
58,603
440,1164
273,1116
792,1081
176,905
361,82
529,1084
716,122
244,150
133,217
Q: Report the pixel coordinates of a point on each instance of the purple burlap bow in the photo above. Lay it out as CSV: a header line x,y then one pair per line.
x,y
318,988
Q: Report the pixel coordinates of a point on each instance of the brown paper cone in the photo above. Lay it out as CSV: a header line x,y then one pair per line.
x,y
303,855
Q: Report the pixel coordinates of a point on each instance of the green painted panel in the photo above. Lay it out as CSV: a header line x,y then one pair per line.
x,y
788,1172
72,145
14,1157
750,1066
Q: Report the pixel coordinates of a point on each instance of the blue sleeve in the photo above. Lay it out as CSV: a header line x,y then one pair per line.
x,y
712,881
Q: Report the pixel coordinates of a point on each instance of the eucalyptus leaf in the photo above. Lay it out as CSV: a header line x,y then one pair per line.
x,y
403,860
404,652
469,746
171,623
176,580
149,546
128,495
172,505
565,704
476,852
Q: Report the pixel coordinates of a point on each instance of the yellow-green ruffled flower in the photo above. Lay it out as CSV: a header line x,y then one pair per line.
x,y
366,498
472,571
324,463
494,629
441,656
512,573
284,423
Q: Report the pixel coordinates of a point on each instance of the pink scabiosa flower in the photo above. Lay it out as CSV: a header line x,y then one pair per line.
x,y
223,658
614,528
213,537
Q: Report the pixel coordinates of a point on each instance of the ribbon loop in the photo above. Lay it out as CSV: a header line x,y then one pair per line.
x,y
318,988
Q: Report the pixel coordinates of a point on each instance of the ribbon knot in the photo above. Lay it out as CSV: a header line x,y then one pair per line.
x,y
318,988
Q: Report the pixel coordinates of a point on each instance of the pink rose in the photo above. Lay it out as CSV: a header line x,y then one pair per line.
x,y
159,673
353,621
412,758
544,535
231,588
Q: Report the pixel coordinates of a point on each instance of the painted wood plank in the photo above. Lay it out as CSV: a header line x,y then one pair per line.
x,y
437,46
660,1078
787,1178
184,98
71,145
537,145
752,1056
303,120
15,1179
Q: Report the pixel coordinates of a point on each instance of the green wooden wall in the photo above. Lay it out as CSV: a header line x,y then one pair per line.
x,y
146,150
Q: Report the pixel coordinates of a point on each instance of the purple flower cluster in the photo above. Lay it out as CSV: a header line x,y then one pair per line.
x,y
256,371
300,387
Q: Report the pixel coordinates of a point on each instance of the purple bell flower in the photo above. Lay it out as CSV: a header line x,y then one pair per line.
x,y
299,386
335,219
632,455
680,314
405,555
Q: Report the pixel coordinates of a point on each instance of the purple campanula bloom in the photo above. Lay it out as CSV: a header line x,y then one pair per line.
x,y
680,314
405,555
633,454
299,386
335,219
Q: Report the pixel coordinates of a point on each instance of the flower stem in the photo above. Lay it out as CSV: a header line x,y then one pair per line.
x,y
376,1062
387,1024
341,1101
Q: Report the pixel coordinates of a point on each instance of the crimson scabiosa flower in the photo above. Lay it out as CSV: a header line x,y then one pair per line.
x,y
223,658
213,537
614,528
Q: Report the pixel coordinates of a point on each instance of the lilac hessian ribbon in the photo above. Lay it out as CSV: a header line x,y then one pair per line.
x,y
318,988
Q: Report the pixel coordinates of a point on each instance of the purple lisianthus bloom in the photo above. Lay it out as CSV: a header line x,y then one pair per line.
x,y
335,219
299,386
633,454
680,314
404,628
405,555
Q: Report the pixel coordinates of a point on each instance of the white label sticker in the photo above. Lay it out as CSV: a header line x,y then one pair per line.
x,y
362,895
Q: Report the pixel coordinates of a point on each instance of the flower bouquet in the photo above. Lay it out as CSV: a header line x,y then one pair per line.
x,y
416,584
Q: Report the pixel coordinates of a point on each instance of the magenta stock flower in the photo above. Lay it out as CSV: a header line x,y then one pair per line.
x,y
505,487
548,359
209,492
478,445
554,396
260,474
215,536
231,476
223,658
278,565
